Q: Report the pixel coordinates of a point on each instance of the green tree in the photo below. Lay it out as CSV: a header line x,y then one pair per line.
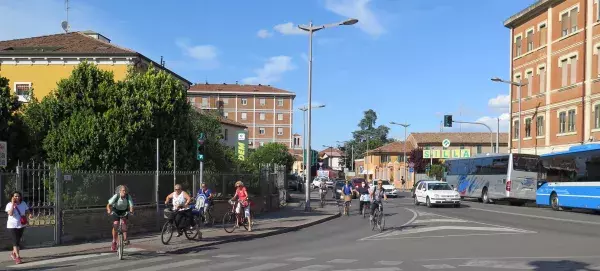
x,y
377,135
12,127
272,153
437,171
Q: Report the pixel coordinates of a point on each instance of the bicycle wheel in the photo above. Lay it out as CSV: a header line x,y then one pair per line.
x,y
167,233
374,220
246,220
322,202
229,222
347,208
381,222
120,246
209,218
194,231
364,210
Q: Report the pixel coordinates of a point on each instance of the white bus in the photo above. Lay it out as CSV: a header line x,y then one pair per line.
x,y
511,177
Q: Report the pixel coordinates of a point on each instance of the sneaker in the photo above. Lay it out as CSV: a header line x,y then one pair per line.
x,y
12,256
113,247
18,260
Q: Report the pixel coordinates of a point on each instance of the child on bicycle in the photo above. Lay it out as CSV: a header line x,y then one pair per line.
x,y
118,205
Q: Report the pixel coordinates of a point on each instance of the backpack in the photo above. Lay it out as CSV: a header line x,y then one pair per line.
x,y
127,198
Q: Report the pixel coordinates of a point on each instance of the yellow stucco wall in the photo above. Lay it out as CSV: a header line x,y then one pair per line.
x,y
45,77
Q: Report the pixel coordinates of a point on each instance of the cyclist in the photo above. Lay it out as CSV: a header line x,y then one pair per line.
x,y
208,196
118,205
323,189
181,200
242,196
347,192
377,193
363,191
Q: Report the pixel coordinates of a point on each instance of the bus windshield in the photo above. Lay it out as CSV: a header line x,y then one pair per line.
x,y
582,167
526,163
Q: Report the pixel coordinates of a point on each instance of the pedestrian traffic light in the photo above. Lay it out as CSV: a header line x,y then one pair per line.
x,y
447,120
200,147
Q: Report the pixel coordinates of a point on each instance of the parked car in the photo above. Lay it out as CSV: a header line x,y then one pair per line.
x,y
412,191
389,189
294,184
436,193
330,183
316,183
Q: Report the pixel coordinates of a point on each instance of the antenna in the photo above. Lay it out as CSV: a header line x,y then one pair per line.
x,y
65,24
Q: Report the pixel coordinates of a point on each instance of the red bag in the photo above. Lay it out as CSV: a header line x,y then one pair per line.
x,y
23,218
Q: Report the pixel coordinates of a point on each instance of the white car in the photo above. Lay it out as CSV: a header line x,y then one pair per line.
x,y
436,193
316,183
389,189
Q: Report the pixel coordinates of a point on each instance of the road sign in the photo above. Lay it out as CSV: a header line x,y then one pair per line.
x,y
446,143
411,169
3,154
241,148
445,154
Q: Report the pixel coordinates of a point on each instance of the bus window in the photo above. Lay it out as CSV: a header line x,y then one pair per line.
x,y
525,163
499,166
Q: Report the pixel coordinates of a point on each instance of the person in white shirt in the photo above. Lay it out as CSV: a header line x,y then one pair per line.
x,y
18,212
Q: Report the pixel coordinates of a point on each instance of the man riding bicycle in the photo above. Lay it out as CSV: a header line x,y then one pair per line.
x,y
323,189
208,197
377,193
363,191
118,205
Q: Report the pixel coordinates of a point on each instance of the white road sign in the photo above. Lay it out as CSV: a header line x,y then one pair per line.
x,y
446,143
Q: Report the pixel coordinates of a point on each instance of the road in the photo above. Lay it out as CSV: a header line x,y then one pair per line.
x,y
474,237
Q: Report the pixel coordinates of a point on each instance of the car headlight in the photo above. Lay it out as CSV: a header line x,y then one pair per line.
x,y
436,195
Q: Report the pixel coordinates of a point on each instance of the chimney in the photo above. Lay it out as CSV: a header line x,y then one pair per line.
x,y
95,35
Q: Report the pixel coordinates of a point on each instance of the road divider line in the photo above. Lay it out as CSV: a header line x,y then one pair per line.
x,y
440,236
488,224
510,258
415,215
538,216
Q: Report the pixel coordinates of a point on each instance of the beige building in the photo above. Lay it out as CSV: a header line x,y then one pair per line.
x,y
230,128
266,111
477,143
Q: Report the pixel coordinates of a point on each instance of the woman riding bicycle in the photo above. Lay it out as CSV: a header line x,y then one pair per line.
x,y
181,201
118,205
241,194
377,193
363,191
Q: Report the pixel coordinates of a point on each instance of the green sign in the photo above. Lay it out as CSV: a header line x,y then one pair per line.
x,y
241,148
445,154
200,157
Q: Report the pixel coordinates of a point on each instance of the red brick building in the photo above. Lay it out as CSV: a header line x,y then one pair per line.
x,y
554,49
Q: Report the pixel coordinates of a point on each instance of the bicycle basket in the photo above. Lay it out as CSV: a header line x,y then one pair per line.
x,y
168,213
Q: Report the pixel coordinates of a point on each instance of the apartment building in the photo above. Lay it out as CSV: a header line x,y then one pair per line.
x,y
266,111
554,51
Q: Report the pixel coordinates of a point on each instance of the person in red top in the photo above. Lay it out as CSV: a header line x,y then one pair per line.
x,y
241,194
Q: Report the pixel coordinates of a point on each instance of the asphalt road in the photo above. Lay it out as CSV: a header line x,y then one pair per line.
x,y
474,237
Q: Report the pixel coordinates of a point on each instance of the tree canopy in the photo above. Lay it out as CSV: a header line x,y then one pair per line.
x,y
377,137
12,127
272,153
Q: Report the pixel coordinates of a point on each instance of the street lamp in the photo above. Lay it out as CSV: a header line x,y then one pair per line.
x,y
405,125
519,84
305,155
310,28
346,157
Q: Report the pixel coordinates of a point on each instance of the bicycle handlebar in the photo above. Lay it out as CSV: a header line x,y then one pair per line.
x,y
120,216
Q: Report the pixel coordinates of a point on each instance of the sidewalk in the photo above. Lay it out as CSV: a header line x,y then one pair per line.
x,y
288,218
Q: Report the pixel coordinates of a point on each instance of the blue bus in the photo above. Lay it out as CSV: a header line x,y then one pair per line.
x,y
570,179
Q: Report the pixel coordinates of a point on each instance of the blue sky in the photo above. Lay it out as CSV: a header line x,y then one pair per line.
x,y
409,60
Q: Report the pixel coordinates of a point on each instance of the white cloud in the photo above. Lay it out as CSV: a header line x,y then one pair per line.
x,y
272,71
493,122
358,9
263,34
500,102
205,56
289,29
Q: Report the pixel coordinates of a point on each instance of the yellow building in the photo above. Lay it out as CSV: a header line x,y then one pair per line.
x,y
386,163
37,64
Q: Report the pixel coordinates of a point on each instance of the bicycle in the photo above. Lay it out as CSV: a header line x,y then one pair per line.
x,y
347,199
378,218
121,238
323,199
205,216
236,219
191,232
366,205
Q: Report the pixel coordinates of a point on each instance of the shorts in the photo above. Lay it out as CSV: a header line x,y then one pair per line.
x,y
238,208
117,214
16,236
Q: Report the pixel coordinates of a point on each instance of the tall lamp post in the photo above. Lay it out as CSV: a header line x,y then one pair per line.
x,y
519,84
305,155
310,28
405,125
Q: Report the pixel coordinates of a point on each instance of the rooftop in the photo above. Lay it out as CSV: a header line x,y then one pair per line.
x,y
238,89
394,147
231,122
538,6
457,138
332,152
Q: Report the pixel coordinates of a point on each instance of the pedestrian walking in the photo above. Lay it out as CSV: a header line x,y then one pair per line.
x,y
403,182
18,215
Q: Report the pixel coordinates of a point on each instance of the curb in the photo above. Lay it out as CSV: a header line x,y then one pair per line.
x,y
255,236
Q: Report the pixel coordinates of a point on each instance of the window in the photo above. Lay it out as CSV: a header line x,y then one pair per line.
x,y
385,159
542,32
565,72
279,102
562,122
244,101
527,128
518,79
279,116
529,40
528,77
23,91
516,129
597,116
279,131
225,134
539,125
571,121
569,22
542,78
225,101
479,150
244,116
518,43
261,131
262,101
569,71
204,102
226,115
261,116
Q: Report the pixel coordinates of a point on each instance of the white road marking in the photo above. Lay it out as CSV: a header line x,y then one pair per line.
x,y
300,259
488,224
225,256
449,235
373,269
443,220
267,266
438,266
260,258
342,261
389,263
60,260
226,265
120,264
133,249
440,228
313,268
401,226
498,264
509,258
538,216
173,265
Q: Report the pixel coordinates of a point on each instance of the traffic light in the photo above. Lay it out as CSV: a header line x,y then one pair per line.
x,y
447,120
200,147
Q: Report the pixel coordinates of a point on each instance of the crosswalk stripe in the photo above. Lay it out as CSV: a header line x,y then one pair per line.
x,y
226,265
373,269
225,256
267,266
260,258
389,262
171,265
299,259
125,264
342,261
313,268
60,260
438,266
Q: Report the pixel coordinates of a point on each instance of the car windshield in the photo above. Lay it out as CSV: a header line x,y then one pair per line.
x,y
439,186
385,182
